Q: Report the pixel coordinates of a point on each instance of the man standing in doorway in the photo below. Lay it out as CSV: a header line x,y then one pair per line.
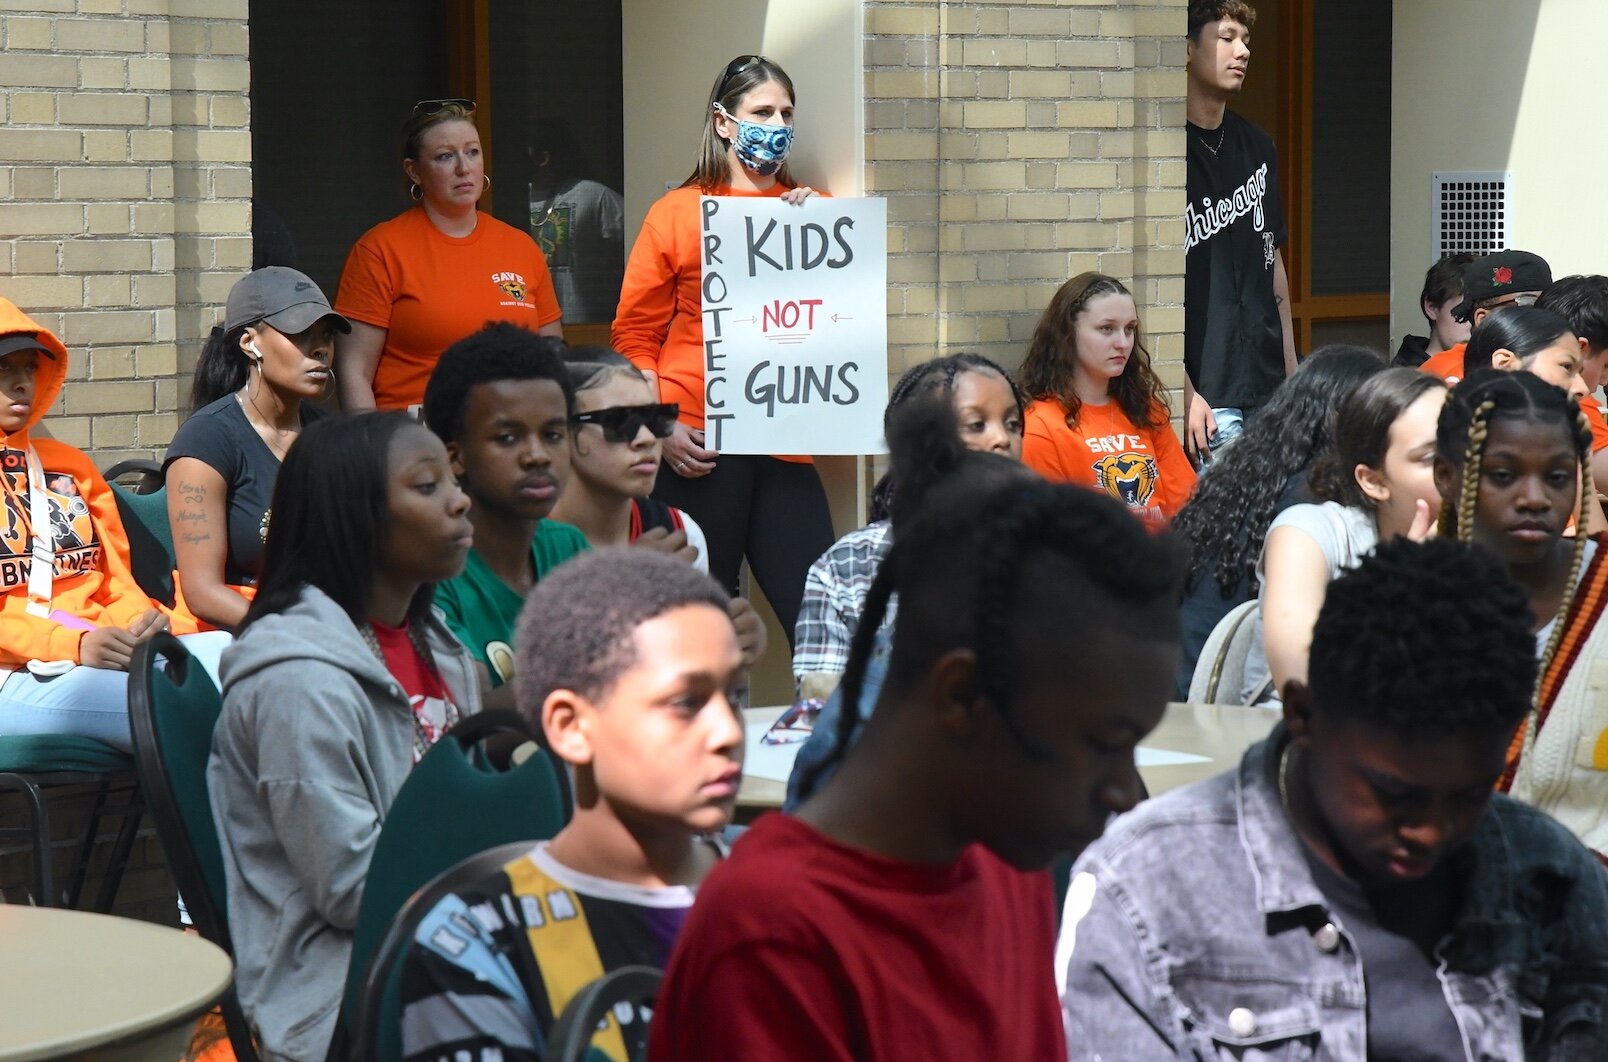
x,y
1238,339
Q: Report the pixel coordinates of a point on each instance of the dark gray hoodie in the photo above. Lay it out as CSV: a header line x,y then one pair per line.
x,y
315,739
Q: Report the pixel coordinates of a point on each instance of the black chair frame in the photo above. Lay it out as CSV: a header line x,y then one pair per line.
x,y
32,786
571,1034
364,1030
170,825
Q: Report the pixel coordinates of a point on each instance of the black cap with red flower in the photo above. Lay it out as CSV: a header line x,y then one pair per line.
x,y
1499,275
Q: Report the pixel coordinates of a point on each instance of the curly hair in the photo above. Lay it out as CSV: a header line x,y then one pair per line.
x,y
1425,638
990,564
499,351
1050,367
934,377
1226,519
1204,11
575,630
1362,432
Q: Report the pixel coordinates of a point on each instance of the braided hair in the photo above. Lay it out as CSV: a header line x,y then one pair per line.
x,y
1225,521
1464,427
989,557
935,377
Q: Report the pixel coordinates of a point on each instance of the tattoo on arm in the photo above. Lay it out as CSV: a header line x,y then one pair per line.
x,y
191,538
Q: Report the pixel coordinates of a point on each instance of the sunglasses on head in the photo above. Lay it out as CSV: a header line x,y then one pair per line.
x,y
425,108
621,424
735,67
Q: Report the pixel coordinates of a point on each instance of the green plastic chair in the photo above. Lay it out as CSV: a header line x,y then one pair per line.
x,y
173,708
150,540
453,805
39,765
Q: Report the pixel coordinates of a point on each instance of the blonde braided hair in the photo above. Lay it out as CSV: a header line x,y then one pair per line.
x,y
1459,522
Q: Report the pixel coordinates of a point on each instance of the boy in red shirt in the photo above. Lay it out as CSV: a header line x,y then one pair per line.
x,y
903,913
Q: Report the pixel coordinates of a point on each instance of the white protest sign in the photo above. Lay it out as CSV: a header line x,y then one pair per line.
x,y
795,324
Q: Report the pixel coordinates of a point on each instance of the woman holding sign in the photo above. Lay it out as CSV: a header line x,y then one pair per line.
x,y
770,509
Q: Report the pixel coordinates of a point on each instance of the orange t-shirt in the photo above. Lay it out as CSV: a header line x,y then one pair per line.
x,y
1598,422
428,290
1448,364
659,324
1144,468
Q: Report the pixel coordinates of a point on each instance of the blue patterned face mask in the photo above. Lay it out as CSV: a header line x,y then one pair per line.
x,y
761,148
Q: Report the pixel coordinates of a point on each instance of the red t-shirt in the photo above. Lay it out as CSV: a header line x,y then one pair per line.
x,y
803,948
425,691
1448,364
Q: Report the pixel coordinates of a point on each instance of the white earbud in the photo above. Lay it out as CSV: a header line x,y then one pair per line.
x,y
251,344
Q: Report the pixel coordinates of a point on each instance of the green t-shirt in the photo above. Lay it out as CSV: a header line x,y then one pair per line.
x,y
482,610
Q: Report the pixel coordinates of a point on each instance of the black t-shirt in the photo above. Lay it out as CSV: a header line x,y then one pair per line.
x,y
219,435
1396,931
1234,226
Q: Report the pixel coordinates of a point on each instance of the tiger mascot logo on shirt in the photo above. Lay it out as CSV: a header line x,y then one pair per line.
x,y
1129,477
511,285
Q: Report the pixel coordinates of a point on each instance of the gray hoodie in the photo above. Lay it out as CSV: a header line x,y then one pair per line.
x,y
315,739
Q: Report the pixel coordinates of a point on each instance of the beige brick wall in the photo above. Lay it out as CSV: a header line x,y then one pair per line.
x,y
1019,144
125,171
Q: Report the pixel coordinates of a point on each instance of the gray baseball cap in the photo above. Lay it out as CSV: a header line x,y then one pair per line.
x,y
283,297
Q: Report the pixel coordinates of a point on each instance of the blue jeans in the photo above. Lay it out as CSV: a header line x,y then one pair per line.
x,y
1230,426
87,702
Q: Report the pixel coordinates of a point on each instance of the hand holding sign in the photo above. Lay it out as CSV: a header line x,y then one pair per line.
x,y
795,325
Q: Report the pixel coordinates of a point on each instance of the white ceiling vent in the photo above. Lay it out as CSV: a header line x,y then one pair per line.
x,y
1471,211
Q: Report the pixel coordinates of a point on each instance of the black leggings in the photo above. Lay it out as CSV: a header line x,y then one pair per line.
x,y
772,511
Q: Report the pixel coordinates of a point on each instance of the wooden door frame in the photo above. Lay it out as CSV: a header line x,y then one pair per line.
x,y
469,69
1295,182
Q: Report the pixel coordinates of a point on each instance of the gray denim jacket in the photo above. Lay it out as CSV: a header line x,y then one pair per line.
x,y
1193,930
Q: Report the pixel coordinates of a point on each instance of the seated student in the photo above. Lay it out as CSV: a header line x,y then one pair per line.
x,y
1099,414
924,450
1225,521
340,679
1583,302
617,444
1512,462
1531,339
501,400
1372,484
1443,292
1353,889
899,914
1494,282
250,400
630,664
989,411
68,629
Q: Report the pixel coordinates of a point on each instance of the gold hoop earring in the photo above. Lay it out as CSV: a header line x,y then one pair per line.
x,y
487,176
415,194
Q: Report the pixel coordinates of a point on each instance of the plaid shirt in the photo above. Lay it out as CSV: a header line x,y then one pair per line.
x,y
834,594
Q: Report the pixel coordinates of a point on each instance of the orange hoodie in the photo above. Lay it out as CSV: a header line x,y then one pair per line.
x,y
94,585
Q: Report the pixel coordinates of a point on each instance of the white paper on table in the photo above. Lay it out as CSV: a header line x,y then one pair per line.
x,y
760,760
1144,756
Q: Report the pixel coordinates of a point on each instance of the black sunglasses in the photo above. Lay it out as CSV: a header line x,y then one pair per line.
x,y
621,424
735,67
425,108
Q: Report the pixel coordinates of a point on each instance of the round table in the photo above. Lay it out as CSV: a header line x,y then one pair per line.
x,y
72,982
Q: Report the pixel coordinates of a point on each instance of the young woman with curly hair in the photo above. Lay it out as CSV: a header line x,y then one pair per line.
x,y
1261,475
1099,418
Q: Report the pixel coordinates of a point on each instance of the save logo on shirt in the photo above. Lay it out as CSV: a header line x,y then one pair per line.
x,y
511,285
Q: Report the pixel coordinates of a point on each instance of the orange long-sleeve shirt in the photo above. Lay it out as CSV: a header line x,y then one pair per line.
x,y
659,323
1144,468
